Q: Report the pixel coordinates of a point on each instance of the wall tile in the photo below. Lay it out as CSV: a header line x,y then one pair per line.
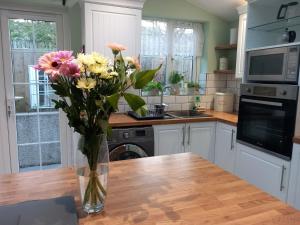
x,y
169,99
154,100
181,99
174,107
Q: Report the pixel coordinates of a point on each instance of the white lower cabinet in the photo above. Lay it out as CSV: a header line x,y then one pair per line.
x,y
198,138
294,184
168,139
201,139
225,148
267,172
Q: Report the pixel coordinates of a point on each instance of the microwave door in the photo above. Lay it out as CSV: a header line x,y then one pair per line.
x,y
267,65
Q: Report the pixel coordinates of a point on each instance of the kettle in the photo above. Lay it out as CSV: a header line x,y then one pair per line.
x,y
284,8
289,36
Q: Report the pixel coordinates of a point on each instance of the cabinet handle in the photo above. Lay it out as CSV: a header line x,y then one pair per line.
x,y
282,175
232,136
183,138
189,138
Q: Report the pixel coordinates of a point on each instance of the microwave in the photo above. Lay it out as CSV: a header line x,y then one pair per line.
x,y
273,65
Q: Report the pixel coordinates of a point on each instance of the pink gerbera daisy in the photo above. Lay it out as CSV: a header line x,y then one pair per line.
x,y
116,48
63,56
70,69
48,65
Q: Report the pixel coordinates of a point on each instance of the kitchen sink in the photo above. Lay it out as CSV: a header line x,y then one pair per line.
x,y
187,113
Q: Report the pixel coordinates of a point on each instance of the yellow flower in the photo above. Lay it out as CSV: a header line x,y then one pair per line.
x,y
100,59
114,74
86,60
96,68
86,83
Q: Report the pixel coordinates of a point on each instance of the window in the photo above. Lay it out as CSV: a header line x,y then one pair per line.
x,y
40,90
176,44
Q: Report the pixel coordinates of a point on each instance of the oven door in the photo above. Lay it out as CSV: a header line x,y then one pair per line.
x,y
267,65
267,124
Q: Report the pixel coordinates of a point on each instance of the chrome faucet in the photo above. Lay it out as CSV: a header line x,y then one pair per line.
x,y
162,95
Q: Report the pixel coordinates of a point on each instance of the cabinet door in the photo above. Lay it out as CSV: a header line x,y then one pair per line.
x,y
104,24
225,147
240,56
265,171
294,184
201,139
169,139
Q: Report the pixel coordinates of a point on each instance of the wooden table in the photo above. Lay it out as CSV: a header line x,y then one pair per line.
x,y
181,189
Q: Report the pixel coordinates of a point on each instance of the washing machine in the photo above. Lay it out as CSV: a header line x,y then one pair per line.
x,y
131,143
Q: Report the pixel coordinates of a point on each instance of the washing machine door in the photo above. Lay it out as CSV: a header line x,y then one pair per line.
x,y
126,151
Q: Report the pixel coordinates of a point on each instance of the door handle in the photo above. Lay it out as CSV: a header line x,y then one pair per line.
x,y
10,107
282,176
232,137
189,137
183,133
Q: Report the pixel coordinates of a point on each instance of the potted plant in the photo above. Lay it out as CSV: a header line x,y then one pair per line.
x,y
89,87
193,88
153,88
174,79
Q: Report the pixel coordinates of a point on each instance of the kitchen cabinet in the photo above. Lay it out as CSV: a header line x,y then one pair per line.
x,y
201,139
225,147
169,139
265,171
294,184
108,21
191,137
240,56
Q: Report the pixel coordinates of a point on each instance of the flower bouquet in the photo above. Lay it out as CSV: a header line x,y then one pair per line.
x,y
89,87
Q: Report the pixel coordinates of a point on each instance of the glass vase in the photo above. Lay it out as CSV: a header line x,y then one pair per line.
x,y
94,174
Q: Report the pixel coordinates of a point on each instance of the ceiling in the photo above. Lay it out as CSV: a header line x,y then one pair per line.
x,y
225,9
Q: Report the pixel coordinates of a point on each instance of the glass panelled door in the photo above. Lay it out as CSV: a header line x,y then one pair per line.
x,y
34,123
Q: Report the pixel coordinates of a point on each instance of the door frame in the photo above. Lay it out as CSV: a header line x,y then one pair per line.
x,y
9,140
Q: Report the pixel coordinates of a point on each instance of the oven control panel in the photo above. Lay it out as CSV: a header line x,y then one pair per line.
x,y
281,91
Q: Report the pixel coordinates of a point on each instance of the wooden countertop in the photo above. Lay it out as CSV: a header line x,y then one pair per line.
x,y
180,189
296,139
123,120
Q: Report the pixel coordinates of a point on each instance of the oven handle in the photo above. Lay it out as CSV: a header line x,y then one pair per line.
x,y
279,104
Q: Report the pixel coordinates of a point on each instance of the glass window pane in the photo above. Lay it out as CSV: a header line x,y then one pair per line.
x,y
29,157
50,155
49,127
27,128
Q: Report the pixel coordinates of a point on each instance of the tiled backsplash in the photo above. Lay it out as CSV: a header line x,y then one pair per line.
x,y
220,83
174,102
214,83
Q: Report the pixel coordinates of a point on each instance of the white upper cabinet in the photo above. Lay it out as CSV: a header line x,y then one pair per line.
x,y
265,171
265,28
201,139
107,21
240,56
169,139
225,148
294,185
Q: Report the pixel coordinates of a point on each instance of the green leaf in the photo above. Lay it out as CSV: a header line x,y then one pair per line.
x,y
134,101
114,100
144,77
142,111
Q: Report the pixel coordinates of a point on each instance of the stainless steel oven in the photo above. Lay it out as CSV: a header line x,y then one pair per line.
x,y
273,65
267,115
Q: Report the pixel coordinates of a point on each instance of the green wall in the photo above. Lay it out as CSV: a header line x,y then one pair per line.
x,y
216,30
75,27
